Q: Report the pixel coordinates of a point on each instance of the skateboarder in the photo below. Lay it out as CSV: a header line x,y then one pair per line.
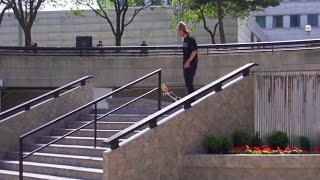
x,y
190,58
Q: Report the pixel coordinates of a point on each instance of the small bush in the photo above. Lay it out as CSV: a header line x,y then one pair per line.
x,y
241,138
278,139
305,143
217,145
256,141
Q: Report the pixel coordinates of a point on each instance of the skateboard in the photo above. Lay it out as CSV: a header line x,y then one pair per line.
x,y
167,92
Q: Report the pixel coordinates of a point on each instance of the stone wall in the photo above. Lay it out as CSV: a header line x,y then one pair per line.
x,y
13,127
110,72
158,154
250,167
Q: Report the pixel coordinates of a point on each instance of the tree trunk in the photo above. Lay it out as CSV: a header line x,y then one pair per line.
x,y
214,33
205,26
220,20
27,36
118,39
118,28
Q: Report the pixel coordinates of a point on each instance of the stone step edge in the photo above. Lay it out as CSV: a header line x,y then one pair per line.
x,y
54,166
71,146
53,155
34,175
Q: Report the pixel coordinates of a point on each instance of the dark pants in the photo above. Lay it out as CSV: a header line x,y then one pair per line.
x,y
188,75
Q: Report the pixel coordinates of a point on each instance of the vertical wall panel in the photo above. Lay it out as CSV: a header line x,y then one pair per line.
x,y
290,102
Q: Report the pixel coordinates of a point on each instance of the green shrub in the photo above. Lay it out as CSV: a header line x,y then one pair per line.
x,y
305,143
256,141
217,145
241,138
278,139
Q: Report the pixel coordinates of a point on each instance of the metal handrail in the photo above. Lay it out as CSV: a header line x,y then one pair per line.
x,y
151,120
52,94
123,50
95,103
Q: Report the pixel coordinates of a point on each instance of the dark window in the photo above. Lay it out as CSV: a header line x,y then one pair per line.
x,y
295,21
277,21
261,20
313,19
156,2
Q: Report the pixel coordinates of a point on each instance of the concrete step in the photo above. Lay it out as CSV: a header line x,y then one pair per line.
x,y
87,132
54,169
62,159
115,118
100,125
142,103
69,149
139,111
14,175
73,140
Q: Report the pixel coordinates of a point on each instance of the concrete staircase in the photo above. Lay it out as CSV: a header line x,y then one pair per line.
x,y
75,156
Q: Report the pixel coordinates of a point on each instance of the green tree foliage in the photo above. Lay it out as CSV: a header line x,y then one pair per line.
x,y
196,11
120,7
25,12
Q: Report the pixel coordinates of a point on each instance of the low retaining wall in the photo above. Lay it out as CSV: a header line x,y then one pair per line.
x,y
250,167
13,127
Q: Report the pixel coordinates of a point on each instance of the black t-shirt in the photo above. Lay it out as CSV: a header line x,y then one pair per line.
x,y
189,45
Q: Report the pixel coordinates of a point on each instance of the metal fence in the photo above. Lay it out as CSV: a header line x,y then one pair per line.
x,y
290,102
161,50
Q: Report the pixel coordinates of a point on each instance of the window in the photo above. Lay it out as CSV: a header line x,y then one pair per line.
x,y
295,21
157,2
277,21
261,20
313,19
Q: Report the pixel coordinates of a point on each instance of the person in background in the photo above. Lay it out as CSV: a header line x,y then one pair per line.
x,y
100,45
33,44
144,51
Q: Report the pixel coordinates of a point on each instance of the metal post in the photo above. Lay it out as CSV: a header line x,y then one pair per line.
x,y
83,82
179,19
159,90
20,158
95,124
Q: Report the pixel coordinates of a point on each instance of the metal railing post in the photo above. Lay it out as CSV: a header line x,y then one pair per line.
x,y
20,158
95,124
159,90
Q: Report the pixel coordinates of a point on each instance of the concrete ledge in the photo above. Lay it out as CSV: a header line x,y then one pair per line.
x,y
290,161
207,166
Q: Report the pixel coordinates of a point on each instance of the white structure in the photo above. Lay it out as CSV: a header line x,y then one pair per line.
x,y
288,21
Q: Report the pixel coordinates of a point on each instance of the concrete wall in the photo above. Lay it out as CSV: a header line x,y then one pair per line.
x,y
23,71
250,167
55,28
302,8
14,97
13,127
158,154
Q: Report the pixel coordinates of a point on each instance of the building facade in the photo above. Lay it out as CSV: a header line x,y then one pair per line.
x,y
288,21
56,28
